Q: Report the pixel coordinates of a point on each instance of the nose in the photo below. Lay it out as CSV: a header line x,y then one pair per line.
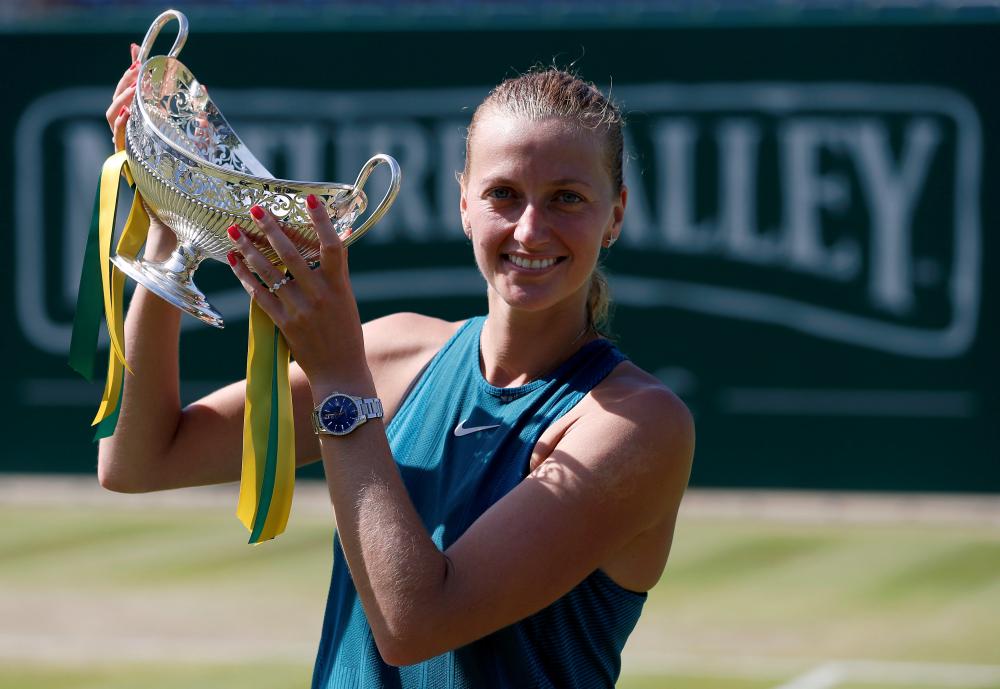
x,y
532,227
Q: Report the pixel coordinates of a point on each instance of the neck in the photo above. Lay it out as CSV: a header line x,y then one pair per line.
x,y
518,347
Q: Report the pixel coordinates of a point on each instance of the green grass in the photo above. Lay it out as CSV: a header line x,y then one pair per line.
x,y
155,676
168,597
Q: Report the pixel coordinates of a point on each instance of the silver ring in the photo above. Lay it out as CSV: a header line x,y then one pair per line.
x,y
278,285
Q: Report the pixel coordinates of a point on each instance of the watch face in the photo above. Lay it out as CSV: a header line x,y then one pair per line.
x,y
339,414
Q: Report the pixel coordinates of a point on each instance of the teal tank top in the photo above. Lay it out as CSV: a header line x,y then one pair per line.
x,y
453,478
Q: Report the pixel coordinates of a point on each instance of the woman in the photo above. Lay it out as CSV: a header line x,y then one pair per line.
x,y
499,524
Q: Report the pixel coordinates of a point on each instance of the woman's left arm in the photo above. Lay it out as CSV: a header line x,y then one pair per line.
x,y
608,480
615,474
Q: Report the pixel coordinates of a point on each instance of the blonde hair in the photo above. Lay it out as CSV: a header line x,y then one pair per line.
x,y
551,92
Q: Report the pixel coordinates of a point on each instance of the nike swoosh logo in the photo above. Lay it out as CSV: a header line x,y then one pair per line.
x,y
461,430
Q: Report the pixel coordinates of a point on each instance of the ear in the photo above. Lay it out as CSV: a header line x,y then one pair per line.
x,y
463,208
618,214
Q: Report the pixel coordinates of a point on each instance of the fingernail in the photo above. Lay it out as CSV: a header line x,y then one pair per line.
x,y
312,201
231,257
133,65
234,232
123,110
257,212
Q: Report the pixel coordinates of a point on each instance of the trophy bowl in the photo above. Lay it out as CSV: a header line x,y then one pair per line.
x,y
198,177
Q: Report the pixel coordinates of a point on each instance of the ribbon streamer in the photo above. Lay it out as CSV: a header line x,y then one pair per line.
x,y
89,302
268,474
133,236
268,478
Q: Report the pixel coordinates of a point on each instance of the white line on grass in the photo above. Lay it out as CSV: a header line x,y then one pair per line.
x,y
829,675
822,677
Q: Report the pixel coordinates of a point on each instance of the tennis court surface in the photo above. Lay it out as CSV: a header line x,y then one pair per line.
x,y
764,590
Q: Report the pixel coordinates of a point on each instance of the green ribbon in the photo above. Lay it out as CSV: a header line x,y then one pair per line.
x,y
89,301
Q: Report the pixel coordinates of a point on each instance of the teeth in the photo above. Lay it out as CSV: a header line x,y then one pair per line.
x,y
532,264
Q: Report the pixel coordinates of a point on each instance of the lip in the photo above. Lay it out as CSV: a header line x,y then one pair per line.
x,y
531,271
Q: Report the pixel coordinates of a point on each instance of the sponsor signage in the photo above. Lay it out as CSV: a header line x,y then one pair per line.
x,y
805,261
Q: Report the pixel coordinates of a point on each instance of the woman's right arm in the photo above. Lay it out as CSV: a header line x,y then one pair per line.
x,y
157,444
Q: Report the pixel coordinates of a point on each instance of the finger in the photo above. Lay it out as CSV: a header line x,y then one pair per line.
x,y
129,77
134,51
331,248
283,246
258,292
119,129
254,259
120,101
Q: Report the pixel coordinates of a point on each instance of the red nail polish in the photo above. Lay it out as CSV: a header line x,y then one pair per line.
x,y
234,232
312,201
123,110
231,257
257,212
133,65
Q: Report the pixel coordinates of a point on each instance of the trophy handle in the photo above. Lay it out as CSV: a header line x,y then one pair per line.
x,y
385,203
157,26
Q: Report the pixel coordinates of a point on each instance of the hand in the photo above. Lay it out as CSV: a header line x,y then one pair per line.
x,y
315,308
117,112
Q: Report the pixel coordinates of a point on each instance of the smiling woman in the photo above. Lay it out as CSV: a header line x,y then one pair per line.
x,y
505,487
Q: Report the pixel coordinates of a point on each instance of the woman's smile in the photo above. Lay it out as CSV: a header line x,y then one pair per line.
x,y
532,264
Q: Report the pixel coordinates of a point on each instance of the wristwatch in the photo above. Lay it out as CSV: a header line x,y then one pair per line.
x,y
339,414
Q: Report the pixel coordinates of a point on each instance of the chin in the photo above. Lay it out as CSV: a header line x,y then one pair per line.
x,y
536,300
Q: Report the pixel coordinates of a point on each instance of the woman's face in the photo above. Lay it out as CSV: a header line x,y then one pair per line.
x,y
537,202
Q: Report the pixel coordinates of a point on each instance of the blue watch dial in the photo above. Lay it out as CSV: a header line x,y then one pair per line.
x,y
339,414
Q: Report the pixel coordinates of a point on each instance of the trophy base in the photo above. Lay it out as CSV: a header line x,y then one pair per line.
x,y
171,281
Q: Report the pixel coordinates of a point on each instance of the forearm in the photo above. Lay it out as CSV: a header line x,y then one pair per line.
x,y
397,569
150,408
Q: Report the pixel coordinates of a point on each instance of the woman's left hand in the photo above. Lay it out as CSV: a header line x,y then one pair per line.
x,y
314,308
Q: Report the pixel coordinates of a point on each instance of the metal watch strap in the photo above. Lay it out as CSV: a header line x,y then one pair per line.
x,y
371,406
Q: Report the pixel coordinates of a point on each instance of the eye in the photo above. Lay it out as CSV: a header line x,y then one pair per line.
x,y
499,193
568,197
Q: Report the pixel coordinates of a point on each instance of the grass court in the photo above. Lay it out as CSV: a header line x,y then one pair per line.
x,y
116,592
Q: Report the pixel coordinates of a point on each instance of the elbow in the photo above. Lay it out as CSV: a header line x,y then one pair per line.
x,y
399,651
410,639
111,474
116,482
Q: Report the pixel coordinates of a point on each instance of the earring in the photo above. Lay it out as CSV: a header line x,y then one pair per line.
x,y
609,241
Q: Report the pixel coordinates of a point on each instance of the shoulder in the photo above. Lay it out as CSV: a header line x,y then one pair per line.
x,y
640,431
398,347
642,400
402,335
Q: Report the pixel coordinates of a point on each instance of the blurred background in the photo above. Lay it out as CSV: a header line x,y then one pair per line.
x,y
805,261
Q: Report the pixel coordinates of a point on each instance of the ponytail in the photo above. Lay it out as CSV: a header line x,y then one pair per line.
x,y
599,303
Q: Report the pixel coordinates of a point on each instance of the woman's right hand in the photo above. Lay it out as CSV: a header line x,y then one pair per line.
x,y
117,112
161,240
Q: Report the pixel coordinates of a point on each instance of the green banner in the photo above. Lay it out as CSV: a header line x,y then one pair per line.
x,y
805,259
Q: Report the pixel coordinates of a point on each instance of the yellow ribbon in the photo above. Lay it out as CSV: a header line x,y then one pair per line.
x,y
132,238
268,477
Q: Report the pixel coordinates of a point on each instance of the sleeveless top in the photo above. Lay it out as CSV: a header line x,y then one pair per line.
x,y
461,444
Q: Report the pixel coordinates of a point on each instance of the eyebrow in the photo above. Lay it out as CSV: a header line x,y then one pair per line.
x,y
565,181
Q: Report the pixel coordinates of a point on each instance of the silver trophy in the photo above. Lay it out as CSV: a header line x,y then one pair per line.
x,y
197,176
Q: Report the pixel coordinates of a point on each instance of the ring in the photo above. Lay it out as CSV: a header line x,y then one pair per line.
x,y
278,285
